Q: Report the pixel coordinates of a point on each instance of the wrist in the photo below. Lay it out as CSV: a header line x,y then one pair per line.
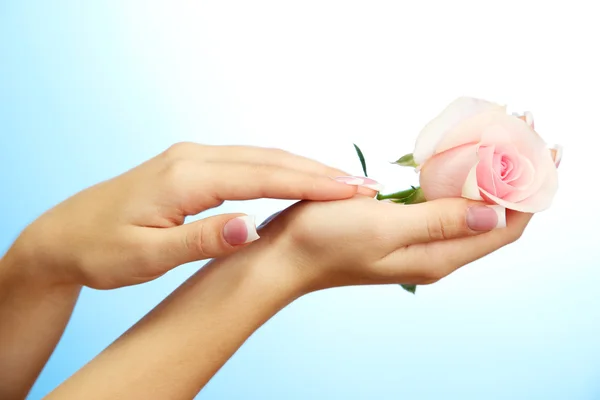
x,y
267,267
16,268
213,312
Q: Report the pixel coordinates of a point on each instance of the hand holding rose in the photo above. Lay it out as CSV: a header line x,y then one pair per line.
x,y
363,241
475,150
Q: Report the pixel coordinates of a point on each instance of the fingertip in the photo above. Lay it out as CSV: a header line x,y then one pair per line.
x,y
517,218
240,230
333,189
483,218
366,192
501,216
360,181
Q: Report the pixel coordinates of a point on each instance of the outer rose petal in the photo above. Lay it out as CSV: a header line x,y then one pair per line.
x,y
507,130
444,174
459,110
472,130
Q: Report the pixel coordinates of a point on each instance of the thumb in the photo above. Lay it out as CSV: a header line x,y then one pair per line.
x,y
450,219
210,237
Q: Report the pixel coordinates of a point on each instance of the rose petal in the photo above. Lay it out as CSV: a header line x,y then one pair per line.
x,y
470,189
515,193
507,131
459,110
518,180
516,168
471,130
541,197
526,176
485,169
445,174
503,165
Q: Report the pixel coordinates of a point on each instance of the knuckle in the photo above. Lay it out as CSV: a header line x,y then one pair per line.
x,y
179,150
436,228
176,170
195,241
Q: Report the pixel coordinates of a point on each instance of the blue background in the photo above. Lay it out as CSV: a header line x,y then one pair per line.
x,y
91,89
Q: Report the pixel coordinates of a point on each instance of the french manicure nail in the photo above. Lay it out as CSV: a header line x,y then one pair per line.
x,y
486,218
240,230
360,181
556,151
528,118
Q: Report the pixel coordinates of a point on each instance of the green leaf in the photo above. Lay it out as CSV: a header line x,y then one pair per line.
x,y
361,157
410,288
406,161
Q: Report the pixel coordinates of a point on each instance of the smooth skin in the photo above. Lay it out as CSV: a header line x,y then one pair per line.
x,y
131,230
309,247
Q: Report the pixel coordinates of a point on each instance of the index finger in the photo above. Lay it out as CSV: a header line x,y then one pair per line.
x,y
207,185
252,155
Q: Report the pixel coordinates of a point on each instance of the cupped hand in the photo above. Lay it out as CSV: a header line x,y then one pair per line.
x,y
365,241
131,229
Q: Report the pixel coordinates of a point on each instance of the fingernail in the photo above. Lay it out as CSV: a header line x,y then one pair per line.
x,y
240,230
556,151
486,218
528,118
360,181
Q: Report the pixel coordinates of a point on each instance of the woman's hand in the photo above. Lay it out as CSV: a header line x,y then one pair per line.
x,y
131,229
365,241
310,246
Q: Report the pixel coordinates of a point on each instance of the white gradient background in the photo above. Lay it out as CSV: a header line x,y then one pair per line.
x,y
90,89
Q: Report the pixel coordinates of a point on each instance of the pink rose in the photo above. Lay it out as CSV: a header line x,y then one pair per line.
x,y
474,149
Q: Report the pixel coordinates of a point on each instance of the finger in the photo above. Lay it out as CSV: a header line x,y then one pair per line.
x,y
254,155
244,182
443,219
430,262
210,237
208,185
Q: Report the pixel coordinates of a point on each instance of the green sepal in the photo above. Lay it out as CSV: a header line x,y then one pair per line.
x,y
414,195
416,198
406,160
398,197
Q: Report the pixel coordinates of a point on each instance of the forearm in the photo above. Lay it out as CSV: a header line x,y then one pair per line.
x,y
174,351
33,316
